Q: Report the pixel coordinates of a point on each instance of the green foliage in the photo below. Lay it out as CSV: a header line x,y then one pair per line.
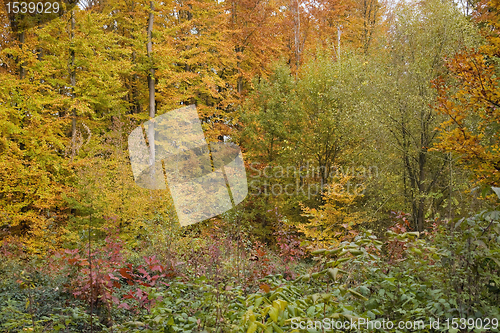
x,y
451,272
421,35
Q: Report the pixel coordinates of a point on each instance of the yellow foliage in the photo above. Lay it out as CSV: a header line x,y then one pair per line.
x,y
471,130
337,218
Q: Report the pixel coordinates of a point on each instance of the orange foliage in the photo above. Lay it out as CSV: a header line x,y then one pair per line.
x,y
473,127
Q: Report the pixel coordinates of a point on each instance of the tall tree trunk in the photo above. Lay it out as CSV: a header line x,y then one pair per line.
x,y
136,105
22,70
339,32
370,9
72,78
296,30
72,73
151,86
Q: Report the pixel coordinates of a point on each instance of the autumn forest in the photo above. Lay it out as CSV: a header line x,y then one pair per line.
x,y
370,136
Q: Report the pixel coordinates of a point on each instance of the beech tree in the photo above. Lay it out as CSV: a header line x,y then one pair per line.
x,y
472,126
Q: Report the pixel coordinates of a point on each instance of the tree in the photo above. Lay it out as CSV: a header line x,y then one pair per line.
x,y
151,89
473,108
337,218
420,36
69,65
33,167
252,25
298,131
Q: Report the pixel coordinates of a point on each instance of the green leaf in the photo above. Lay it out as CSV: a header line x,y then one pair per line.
x,y
356,252
252,327
277,328
356,294
415,250
310,311
496,190
335,251
280,304
333,273
273,314
342,260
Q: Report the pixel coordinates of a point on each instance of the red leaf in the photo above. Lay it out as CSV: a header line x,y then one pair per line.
x,y
265,287
157,268
124,306
125,274
128,296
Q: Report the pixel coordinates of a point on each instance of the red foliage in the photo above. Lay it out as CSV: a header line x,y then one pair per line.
x,y
287,239
145,275
12,248
395,247
97,276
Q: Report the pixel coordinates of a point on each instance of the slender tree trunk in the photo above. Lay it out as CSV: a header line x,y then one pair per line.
x,y
238,49
136,105
91,299
370,11
151,86
339,32
72,79
22,70
72,75
297,34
